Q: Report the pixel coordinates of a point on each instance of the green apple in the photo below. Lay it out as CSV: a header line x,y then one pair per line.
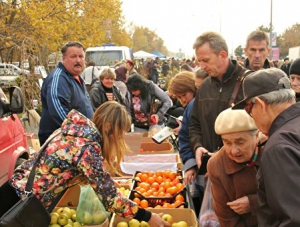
x,y
74,217
66,211
59,210
76,224
134,223
54,225
87,218
168,218
68,225
70,221
62,219
182,224
122,224
54,218
99,217
144,224
174,225
73,211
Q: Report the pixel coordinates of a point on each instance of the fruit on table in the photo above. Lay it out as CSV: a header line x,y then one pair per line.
x,y
180,224
98,217
66,217
168,218
122,224
124,191
144,224
134,223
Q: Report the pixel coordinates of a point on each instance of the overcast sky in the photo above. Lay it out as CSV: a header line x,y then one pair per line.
x,y
179,22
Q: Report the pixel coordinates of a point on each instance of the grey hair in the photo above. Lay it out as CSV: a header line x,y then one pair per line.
x,y
200,74
253,132
278,96
257,35
216,42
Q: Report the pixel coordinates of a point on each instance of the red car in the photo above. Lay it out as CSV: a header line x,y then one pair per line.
x,y
13,144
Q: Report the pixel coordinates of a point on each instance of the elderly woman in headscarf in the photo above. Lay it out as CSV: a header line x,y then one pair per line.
x,y
232,170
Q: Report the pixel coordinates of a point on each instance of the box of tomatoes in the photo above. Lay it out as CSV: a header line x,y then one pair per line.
x,y
159,189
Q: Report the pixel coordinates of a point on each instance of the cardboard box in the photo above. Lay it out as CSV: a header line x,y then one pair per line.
x,y
137,142
187,215
154,148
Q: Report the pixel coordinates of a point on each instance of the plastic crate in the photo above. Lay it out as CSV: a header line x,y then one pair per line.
x,y
159,200
155,201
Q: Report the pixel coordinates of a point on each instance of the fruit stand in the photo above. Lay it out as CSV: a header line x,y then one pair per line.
x,y
149,184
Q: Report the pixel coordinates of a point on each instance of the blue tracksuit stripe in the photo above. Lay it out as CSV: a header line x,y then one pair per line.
x,y
54,94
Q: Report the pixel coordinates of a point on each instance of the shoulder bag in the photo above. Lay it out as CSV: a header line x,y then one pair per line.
x,y
237,86
29,212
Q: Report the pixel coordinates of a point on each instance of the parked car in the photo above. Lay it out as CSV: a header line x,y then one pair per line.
x,y
9,73
13,143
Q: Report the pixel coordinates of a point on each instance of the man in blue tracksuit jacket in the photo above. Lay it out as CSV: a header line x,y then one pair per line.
x,y
64,90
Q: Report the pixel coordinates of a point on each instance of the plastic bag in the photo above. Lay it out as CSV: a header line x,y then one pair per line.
x,y
90,210
207,216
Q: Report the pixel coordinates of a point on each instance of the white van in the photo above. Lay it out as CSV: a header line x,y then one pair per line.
x,y
108,54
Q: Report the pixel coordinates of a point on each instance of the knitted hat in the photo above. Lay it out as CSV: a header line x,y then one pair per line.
x,y
295,67
230,121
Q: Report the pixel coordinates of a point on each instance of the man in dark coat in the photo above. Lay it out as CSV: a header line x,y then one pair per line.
x,y
213,95
270,100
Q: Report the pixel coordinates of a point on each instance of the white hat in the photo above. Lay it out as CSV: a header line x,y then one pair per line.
x,y
230,121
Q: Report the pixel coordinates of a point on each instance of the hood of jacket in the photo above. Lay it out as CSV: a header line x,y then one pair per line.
x,y
77,125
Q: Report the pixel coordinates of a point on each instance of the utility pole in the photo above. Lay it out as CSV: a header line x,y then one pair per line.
x,y
271,28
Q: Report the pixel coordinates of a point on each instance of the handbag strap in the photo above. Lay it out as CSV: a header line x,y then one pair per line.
x,y
93,73
237,86
28,188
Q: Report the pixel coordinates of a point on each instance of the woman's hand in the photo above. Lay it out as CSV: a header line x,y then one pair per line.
x,y
241,205
157,221
154,118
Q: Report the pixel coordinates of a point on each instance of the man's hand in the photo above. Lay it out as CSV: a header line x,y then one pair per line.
x,y
199,153
241,205
176,130
190,176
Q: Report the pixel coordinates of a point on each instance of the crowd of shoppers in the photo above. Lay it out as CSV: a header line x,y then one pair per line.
x,y
97,106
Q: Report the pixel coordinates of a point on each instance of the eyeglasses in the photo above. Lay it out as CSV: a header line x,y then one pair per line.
x,y
248,107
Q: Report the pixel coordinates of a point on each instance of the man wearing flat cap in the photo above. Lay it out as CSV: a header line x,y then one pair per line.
x,y
270,100
232,170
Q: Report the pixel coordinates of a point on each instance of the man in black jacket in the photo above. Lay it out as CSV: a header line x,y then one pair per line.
x,y
214,94
270,101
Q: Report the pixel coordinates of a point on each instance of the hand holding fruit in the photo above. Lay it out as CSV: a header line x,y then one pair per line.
x,y
156,220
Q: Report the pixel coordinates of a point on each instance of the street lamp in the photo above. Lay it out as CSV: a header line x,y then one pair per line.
x,y
271,25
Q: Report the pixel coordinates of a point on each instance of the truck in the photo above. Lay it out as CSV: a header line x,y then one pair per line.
x,y
13,139
294,52
108,55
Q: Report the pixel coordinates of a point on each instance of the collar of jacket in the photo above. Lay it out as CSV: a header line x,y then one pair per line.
x,y
287,115
228,74
232,167
266,64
